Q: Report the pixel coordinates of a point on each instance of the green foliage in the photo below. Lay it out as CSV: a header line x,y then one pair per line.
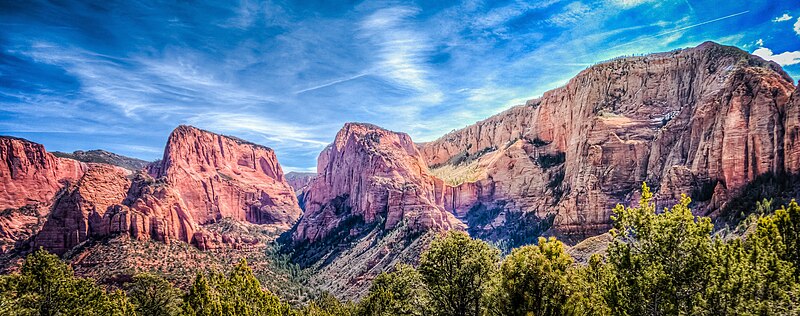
x,y
401,292
457,271
533,280
660,261
153,295
328,305
47,286
239,293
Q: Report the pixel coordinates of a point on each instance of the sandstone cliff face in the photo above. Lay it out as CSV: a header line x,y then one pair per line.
x,y
375,176
222,177
30,178
702,121
203,178
77,213
31,175
792,136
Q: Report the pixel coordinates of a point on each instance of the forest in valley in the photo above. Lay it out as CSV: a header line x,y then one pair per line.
x,y
660,262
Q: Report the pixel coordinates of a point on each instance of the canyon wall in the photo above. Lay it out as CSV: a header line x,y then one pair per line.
x,y
703,121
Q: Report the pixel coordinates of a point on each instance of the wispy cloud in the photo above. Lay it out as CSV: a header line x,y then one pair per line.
x,y
402,51
328,84
273,131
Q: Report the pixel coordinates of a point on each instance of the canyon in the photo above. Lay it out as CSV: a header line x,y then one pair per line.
x,y
704,121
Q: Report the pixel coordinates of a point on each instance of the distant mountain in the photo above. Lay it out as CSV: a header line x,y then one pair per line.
x,y
710,121
102,156
299,180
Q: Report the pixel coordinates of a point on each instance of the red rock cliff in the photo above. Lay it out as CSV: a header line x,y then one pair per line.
x,y
374,174
203,178
706,117
223,177
31,175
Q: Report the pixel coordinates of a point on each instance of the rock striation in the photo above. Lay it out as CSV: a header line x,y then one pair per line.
x,y
703,121
219,177
203,179
373,176
30,178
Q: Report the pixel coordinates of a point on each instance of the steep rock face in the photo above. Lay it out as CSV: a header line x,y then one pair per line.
x,y
77,213
223,177
703,121
31,175
30,178
371,174
792,138
203,178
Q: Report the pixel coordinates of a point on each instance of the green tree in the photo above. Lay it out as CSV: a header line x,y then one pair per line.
x,y
239,294
457,271
533,280
153,295
328,305
201,299
587,288
47,286
660,262
401,292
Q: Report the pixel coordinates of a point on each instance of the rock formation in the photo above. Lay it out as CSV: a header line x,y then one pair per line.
x,y
30,178
224,177
702,121
299,180
372,175
203,178
31,175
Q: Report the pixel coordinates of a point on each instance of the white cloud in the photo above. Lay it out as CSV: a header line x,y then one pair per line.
x,y
797,26
783,59
782,18
629,3
275,131
573,13
760,42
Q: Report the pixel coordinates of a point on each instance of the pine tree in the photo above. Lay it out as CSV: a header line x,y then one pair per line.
x,y
533,280
457,270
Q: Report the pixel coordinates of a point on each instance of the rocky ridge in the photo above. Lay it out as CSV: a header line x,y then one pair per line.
x,y
203,178
705,121
106,157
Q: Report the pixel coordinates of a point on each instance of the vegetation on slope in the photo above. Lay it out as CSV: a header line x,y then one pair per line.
x,y
658,263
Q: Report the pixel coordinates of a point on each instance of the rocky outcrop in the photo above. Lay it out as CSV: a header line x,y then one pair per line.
x,y
703,121
30,179
219,177
31,175
79,212
203,178
374,176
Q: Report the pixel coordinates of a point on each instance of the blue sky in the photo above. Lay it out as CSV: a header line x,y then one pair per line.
x,y
120,75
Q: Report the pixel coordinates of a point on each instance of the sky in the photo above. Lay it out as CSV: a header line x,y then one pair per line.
x,y
120,75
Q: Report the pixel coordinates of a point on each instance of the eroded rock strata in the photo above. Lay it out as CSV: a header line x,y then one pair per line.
x,y
203,178
703,121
